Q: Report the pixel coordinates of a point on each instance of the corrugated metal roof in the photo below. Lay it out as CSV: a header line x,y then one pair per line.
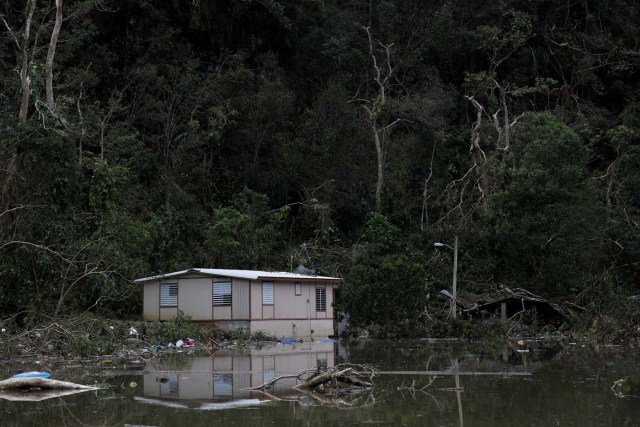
x,y
240,274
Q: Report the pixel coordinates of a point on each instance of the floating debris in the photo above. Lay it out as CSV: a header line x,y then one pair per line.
x,y
36,388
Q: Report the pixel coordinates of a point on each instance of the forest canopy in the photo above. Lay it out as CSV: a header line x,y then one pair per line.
x,y
140,137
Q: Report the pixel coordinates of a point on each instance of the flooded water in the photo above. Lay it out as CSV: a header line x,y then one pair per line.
x,y
421,383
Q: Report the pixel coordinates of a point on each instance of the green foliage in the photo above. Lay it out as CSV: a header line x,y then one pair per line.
x,y
246,234
104,185
503,39
387,300
170,331
380,237
544,214
240,336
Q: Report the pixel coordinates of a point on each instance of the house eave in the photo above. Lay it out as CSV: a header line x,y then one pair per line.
x,y
242,274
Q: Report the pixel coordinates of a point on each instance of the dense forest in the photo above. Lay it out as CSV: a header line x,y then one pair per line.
x,y
139,137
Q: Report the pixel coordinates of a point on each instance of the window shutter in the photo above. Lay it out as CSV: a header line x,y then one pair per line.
x,y
321,299
267,293
168,294
221,293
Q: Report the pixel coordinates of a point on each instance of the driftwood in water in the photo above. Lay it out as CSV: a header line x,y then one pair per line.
x,y
41,383
352,375
346,376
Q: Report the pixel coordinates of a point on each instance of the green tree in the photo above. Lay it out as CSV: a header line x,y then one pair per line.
x,y
545,213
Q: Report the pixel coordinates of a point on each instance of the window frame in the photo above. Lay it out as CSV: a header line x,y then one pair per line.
x,y
265,295
173,288
298,289
224,299
222,384
321,299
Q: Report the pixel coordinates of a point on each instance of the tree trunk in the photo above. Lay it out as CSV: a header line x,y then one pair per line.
x,y
51,54
24,71
479,157
505,120
25,81
380,158
383,73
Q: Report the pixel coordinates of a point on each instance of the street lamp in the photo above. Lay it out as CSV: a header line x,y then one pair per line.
x,y
439,245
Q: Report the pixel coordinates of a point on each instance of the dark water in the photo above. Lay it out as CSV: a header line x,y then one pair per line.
x,y
536,384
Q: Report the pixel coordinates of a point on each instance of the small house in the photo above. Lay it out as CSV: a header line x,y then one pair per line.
x,y
281,304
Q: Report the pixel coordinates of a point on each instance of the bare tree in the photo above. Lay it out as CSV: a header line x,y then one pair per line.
x,y
498,43
380,132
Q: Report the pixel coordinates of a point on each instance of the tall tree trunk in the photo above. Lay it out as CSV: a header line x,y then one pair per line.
x,y
24,72
380,157
383,72
25,82
51,54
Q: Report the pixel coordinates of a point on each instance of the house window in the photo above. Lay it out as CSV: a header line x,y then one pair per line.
x,y
267,293
168,295
321,361
169,387
221,293
222,385
298,289
321,299
268,375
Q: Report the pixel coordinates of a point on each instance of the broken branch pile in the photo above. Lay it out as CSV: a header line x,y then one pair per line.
x,y
339,377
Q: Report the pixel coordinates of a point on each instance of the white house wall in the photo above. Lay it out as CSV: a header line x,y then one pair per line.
x,y
240,304
299,328
151,301
195,297
287,304
167,313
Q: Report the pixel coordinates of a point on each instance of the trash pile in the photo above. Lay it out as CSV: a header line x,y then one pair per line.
x,y
187,344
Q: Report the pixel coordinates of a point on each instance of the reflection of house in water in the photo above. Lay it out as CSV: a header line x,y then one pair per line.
x,y
228,374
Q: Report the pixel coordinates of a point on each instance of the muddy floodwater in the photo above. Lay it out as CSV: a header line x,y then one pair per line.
x,y
421,383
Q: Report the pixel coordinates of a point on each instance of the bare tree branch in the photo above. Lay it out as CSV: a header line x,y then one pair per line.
x,y
13,36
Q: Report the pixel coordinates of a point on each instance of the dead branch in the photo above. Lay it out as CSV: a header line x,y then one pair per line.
x,y
424,216
269,384
346,376
18,207
357,376
13,36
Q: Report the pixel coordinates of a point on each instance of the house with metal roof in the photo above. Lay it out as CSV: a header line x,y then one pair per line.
x,y
279,303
